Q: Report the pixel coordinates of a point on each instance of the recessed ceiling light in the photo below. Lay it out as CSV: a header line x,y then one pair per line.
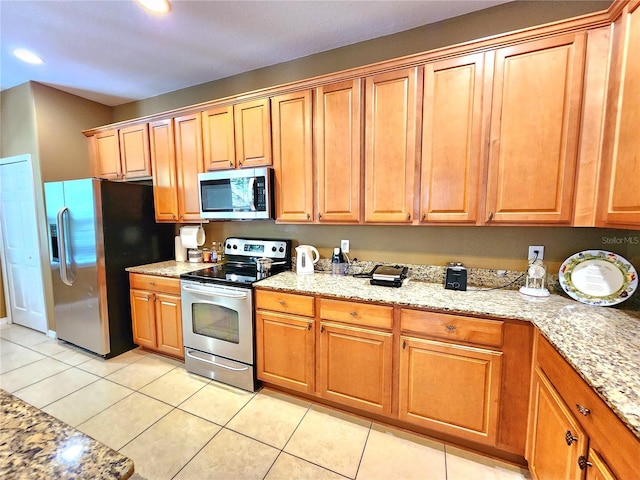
x,y
156,6
27,56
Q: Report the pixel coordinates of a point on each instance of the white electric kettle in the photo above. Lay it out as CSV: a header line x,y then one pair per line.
x,y
307,257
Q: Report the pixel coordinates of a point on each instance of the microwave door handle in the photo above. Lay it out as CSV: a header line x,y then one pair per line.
x,y
210,293
252,188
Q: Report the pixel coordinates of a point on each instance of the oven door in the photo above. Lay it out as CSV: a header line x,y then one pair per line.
x,y
218,319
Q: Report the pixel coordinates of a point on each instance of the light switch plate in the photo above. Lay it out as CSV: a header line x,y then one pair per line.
x,y
344,246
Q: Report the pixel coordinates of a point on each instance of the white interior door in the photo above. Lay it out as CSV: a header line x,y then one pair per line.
x,y
19,235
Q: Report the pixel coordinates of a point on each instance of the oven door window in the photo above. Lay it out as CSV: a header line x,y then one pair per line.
x,y
216,321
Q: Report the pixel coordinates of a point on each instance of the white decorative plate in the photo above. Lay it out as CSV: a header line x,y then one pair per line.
x,y
597,277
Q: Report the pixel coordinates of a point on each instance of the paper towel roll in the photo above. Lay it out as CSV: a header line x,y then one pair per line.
x,y
181,252
192,236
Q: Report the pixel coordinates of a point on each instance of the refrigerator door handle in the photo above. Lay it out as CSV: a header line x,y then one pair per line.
x,y
62,248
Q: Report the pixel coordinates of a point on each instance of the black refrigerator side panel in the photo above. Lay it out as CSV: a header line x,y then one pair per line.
x,y
131,237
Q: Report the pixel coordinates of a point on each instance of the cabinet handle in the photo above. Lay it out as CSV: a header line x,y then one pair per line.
x,y
319,216
321,329
240,163
583,462
308,216
230,163
354,314
583,410
404,344
283,303
451,328
490,216
152,283
309,326
570,438
173,215
424,217
408,216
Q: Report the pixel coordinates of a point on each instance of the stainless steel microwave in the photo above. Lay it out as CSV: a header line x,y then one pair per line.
x,y
242,194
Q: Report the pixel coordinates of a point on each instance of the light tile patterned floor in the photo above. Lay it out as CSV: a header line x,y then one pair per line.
x,y
174,424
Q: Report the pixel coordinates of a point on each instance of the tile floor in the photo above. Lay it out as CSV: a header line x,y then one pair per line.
x,y
176,425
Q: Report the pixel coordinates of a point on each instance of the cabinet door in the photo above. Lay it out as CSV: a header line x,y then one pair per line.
x,y
218,139
292,156
535,124
452,140
106,163
450,388
189,162
338,139
163,158
619,198
285,350
169,324
143,317
134,151
355,367
253,133
390,146
596,468
555,440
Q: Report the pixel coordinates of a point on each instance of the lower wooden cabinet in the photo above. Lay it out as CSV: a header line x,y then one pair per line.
x,y
156,312
556,441
572,433
450,388
355,367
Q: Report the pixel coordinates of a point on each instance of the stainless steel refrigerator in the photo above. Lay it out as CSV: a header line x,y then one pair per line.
x,y
97,228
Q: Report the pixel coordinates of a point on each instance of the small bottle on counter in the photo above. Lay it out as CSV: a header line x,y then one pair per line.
x,y
214,253
220,252
337,262
206,255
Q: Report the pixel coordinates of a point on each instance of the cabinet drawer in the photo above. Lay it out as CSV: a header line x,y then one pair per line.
x,y
619,447
285,302
155,283
356,313
453,327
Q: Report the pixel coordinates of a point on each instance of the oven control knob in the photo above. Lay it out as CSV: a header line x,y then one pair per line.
x,y
235,247
273,249
281,249
228,245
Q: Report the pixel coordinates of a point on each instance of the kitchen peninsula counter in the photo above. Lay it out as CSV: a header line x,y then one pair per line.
x,y
170,268
601,343
37,446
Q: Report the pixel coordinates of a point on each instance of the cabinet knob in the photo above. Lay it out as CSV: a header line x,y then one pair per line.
x,y
152,283
451,328
308,216
319,216
570,438
321,329
490,216
309,327
354,314
230,163
583,462
408,216
424,217
583,410
404,344
283,303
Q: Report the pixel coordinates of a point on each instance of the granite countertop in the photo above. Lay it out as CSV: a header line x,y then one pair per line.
x,y
170,268
601,343
34,445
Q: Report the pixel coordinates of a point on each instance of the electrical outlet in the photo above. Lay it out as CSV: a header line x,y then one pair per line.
x,y
344,246
532,252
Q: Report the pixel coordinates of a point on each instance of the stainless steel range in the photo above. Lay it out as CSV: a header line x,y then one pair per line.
x,y
217,310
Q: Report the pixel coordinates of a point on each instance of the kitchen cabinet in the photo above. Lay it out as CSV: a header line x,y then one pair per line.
x,y
561,401
556,441
285,342
156,313
163,157
176,154
453,125
354,359
121,154
433,371
253,133
293,156
619,196
390,146
535,125
338,147
218,138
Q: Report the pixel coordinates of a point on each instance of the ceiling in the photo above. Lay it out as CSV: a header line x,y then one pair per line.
x,y
113,51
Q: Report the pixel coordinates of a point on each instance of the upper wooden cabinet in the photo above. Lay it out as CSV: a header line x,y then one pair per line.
x,y
163,156
390,146
292,156
452,139
619,198
338,140
218,140
253,133
121,154
535,125
176,153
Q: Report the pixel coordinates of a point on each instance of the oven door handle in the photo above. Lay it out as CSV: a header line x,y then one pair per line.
x,y
215,363
211,293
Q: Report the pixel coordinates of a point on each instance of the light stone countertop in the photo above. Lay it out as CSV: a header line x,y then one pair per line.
x,y
601,343
170,268
36,446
